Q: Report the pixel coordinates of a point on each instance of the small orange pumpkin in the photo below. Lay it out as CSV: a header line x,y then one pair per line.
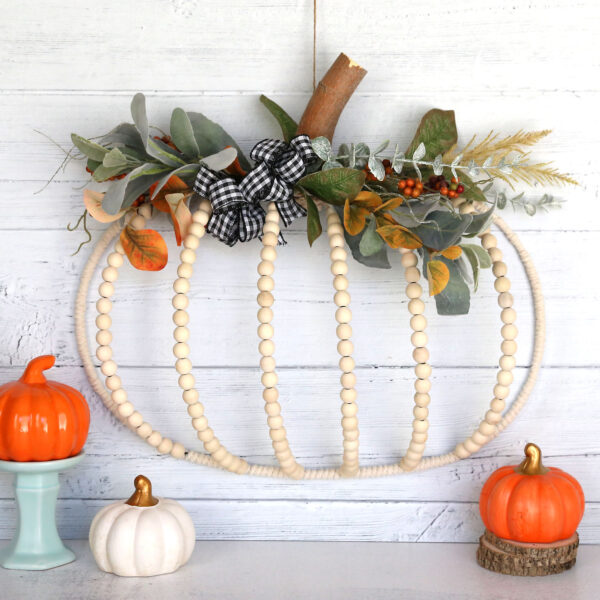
x,y
40,419
531,503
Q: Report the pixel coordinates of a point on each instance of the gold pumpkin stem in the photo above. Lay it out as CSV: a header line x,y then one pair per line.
x,y
143,493
532,465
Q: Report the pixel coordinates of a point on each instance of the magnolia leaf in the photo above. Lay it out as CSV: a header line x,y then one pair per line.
x,y
321,147
182,133
93,204
376,167
287,124
397,236
220,160
370,242
212,138
313,224
138,113
145,248
354,217
438,276
180,213
90,149
391,204
420,152
437,131
454,299
164,153
335,185
438,169
442,229
452,252
114,158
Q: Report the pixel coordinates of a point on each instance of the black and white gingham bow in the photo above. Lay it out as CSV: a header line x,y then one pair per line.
x,y
234,216
280,166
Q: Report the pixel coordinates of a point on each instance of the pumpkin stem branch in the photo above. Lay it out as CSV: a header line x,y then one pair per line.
x,y
532,464
143,493
33,371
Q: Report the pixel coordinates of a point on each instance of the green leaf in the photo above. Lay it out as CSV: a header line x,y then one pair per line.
x,y
455,298
138,112
103,173
379,260
164,153
287,124
92,165
442,229
478,259
212,138
125,134
472,191
182,133
480,222
90,149
181,172
114,158
334,185
371,242
313,224
437,131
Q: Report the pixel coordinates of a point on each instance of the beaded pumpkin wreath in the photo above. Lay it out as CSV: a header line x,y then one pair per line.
x,y
427,202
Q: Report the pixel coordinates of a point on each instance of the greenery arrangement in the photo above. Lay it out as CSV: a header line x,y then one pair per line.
x,y
433,197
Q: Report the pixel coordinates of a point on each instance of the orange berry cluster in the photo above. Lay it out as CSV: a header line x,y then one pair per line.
x,y
440,184
410,188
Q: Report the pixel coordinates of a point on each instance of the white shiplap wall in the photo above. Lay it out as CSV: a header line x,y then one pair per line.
x,y
72,66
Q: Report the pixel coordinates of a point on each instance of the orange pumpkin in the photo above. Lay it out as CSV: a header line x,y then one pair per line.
x,y
531,503
40,419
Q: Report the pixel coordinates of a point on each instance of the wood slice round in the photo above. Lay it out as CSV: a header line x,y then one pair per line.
x,y
517,558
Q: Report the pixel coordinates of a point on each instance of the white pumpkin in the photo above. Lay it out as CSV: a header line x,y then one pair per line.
x,y
143,536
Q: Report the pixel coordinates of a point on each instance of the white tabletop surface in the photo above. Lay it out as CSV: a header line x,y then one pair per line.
x,y
312,570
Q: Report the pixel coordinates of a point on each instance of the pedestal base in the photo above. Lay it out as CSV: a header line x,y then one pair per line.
x,y
517,558
37,545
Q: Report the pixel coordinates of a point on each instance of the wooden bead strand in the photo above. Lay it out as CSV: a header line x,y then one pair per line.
x,y
418,322
266,346
343,315
488,427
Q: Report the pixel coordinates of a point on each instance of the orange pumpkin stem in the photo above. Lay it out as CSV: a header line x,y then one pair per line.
x,y
532,465
143,493
33,371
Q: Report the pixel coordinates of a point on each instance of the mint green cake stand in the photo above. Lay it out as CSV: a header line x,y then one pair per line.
x,y
37,545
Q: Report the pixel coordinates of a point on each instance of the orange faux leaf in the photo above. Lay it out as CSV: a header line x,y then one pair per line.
x,y
391,204
397,236
452,252
354,217
93,204
235,168
368,200
438,276
180,213
145,248
174,185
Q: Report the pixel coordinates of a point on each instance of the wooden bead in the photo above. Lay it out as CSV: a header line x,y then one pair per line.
x,y
422,386
423,370
201,217
499,269
138,222
501,391
266,347
507,363
497,405
502,284
348,380
104,353
269,239
277,435
106,289
335,228
190,395
268,253
509,347
338,253
265,315
181,285
144,430
504,378
495,254
486,428
104,305
412,275
509,332
420,426
419,338
108,367
349,423
493,417
183,366
422,399
416,306
269,380
340,283
185,270
461,451
212,444
115,259
341,298
270,394
181,318
186,381
119,247
265,283
471,446
266,267
345,347
420,412
199,423
418,323
103,322
336,240
271,227
181,334
348,395
196,411
178,450
350,445
489,241
346,363
110,274
343,315
339,267
196,229
344,331
508,315
265,331
351,435
119,396
409,260
135,419
420,355
349,409
113,382
267,363
265,299
103,337
272,409
505,300
155,439
181,350
126,409
187,256
414,290
180,301
191,242
145,210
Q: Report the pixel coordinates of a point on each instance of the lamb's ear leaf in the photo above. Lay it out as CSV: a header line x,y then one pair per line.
x,y
138,113
287,124
182,134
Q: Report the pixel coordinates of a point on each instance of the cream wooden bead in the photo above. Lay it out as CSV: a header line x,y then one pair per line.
x,y
335,228
266,267
412,274
180,301
416,306
414,290
181,285
349,409
499,269
110,274
340,283
338,253
495,254
265,299
420,355
420,426
265,331
181,350
178,450
155,439
138,222
113,382
115,259
348,380
265,315
489,241
104,353
501,391
183,366
119,396
186,381
135,419
144,430
509,347
349,423
104,305
269,380
268,253
339,267
206,435
348,395
181,334
106,289
343,315
275,422
497,405
505,300
196,411
409,260
346,364
345,347
418,338
509,332
423,370
181,318
108,367
103,337
190,395
422,399
507,362
461,451
420,412
119,247
126,409
191,242
504,378
341,298
103,322
336,240
197,230
344,331
486,428
493,417
418,323
271,227
422,386
269,239
270,395
471,446
185,270
266,347
273,409
187,256
502,284
201,217
508,316
265,283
